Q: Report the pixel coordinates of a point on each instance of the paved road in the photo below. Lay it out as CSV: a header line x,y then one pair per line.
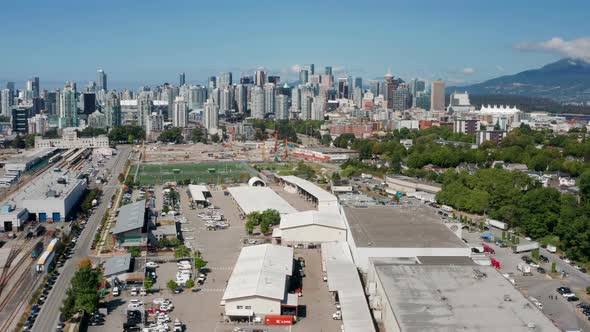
x,y
49,314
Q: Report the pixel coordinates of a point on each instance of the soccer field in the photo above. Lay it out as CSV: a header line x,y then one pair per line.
x,y
150,174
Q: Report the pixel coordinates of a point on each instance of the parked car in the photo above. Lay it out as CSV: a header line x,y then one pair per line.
x,y
541,270
543,259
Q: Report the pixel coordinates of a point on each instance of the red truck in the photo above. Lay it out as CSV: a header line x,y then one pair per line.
x,y
488,249
496,263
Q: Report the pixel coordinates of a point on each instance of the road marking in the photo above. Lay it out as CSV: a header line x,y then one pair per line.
x,y
221,268
212,290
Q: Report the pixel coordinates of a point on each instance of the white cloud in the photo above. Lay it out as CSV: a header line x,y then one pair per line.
x,y
468,70
463,70
576,48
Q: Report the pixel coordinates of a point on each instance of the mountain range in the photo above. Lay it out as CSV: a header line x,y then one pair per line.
x,y
565,81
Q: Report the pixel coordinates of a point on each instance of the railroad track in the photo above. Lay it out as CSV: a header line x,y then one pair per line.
x,y
25,291
6,271
22,301
10,274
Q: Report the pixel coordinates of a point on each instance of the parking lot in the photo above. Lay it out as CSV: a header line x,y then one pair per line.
x,y
201,311
540,286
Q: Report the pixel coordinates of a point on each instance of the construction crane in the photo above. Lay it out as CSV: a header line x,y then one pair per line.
x,y
285,150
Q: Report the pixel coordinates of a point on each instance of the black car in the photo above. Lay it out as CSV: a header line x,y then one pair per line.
x,y
564,290
541,270
583,270
543,258
525,258
583,305
572,299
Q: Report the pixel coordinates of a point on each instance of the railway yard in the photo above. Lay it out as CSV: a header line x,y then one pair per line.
x,y
25,245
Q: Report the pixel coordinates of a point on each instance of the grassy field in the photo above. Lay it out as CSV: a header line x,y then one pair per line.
x,y
198,173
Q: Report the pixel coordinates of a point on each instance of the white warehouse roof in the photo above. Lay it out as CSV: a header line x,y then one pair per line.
x,y
261,270
343,278
320,194
327,216
197,192
259,199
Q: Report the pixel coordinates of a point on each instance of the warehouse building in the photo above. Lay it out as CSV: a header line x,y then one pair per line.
x,y
28,162
259,283
400,231
199,194
251,199
307,227
345,285
323,154
449,297
131,228
308,191
118,266
70,140
406,184
51,196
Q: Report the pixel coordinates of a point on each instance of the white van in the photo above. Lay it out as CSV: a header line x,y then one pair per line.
x,y
116,291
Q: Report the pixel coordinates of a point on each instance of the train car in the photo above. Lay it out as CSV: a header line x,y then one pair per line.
x,y
37,250
45,262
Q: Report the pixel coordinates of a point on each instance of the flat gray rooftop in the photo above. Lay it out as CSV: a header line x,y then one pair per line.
x,y
399,227
452,298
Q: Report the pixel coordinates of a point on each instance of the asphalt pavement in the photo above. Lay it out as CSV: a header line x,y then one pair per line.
x,y
49,314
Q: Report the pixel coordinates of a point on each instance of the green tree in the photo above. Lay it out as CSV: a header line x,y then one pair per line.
x,y
171,135
250,226
148,283
215,138
18,142
197,135
134,251
271,217
326,140
190,283
200,263
264,227
171,285
182,252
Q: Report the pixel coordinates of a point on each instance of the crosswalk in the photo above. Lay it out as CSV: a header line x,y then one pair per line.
x,y
212,290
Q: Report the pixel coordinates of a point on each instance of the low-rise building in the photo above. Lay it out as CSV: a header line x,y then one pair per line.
x,y
259,283
118,266
131,228
323,154
449,297
406,184
52,196
400,231
70,140
312,226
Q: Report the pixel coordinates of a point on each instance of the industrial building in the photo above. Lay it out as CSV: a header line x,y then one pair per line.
x,y
448,297
70,140
51,196
323,154
118,266
199,194
345,284
407,184
400,231
259,283
131,229
312,226
12,218
26,163
252,199
308,191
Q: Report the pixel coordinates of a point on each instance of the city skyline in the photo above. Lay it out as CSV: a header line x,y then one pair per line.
x,y
470,43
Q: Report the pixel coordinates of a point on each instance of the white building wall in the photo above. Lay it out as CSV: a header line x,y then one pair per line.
x,y
63,205
312,234
260,306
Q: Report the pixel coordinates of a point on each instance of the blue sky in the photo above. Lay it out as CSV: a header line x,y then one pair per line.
x,y
149,42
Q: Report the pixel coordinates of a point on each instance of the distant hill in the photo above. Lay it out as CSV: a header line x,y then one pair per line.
x,y
565,81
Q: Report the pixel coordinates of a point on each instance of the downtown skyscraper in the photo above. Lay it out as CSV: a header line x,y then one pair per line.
x,y
102,81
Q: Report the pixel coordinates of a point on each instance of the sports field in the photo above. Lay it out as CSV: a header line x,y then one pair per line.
x,y
150,174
